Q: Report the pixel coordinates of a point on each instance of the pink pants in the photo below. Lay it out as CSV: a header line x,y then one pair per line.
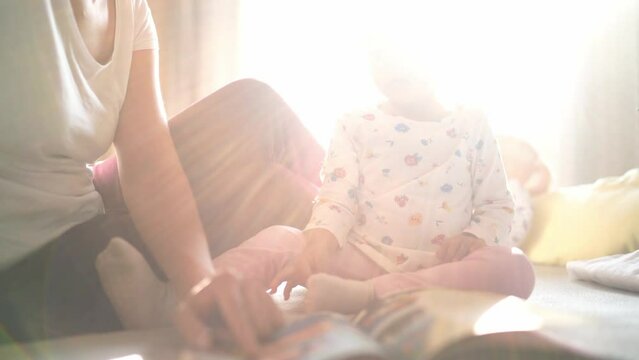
x,y
495,269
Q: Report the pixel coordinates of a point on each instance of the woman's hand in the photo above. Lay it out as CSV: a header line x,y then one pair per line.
x,y
320,246
225,307
457,247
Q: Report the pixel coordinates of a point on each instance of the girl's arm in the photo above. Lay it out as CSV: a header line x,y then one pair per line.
x,y
336,204
333,214
492,203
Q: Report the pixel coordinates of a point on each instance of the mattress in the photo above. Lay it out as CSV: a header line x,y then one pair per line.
x,y
587,316
597,319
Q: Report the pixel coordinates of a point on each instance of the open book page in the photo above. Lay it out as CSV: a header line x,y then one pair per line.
x,y
452,324
433,324
322,337
421,324
412,325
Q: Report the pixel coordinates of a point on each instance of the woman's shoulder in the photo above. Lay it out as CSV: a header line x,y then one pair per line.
x,y
140,27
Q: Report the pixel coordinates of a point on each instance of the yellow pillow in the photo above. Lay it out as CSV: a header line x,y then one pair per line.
x,y
587,221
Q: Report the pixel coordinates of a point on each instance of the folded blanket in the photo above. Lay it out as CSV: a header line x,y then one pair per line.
x,y
618,271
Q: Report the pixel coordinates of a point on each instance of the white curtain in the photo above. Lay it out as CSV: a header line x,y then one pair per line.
x,y
565,75
561,74
601,136
198,52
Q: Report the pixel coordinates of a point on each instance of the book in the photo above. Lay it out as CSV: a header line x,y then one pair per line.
x,y
434,324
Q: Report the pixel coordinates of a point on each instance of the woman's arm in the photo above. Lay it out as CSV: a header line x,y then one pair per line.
x,y
164,211
154,186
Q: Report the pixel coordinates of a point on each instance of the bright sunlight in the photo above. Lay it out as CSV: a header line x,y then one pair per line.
x,y
518,60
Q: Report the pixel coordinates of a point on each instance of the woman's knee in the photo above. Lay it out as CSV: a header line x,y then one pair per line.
x,y
241,92
227,105
252,86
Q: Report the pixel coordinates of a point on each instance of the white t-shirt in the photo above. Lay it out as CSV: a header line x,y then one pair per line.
x,y
59,110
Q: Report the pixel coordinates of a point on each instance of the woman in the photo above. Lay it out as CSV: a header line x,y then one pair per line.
x,y
79,75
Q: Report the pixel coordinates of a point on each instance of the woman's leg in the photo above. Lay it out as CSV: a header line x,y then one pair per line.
x,y
250,162
251,165
56,291
345,287
491,268
243,122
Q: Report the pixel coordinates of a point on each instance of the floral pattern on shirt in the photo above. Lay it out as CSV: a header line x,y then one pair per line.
x,y
399,186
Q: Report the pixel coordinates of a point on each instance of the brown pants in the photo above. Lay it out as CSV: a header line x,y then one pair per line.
x,y
251,164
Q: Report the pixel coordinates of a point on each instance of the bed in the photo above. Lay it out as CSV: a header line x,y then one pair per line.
x,y
605,321
596,319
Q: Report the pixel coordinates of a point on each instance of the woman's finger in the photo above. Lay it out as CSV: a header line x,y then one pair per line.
x,y
192,315
232,305
275,283
222,296
192,327
261,310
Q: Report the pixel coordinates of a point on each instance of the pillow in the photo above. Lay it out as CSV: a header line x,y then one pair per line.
x,y
586,221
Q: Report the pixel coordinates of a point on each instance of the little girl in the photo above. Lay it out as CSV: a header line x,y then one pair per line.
x,y
413,196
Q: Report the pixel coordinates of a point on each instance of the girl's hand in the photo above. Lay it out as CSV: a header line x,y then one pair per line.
x,y
457,247
320,246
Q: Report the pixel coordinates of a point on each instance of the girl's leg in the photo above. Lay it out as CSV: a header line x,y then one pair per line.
x,y
262,256
346,287
347,290
491,268
350,263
